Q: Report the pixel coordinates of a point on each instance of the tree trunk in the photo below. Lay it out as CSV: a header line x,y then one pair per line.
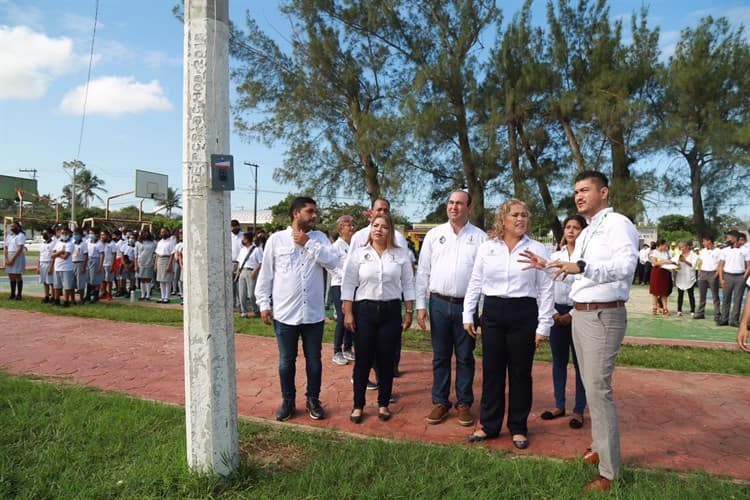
x,y
623,192
473,182
699,217
541,181
519,186
575,148
370,169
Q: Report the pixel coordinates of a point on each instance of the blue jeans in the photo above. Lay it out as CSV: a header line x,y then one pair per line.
x,y
341,336
287,337
561,343
448,336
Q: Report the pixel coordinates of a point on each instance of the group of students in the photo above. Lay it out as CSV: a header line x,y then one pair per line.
x,y
76,267
724,270
503,287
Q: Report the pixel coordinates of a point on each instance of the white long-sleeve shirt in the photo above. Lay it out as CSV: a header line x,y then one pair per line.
x,y
497,272
562,286
292,276
341,247
609,247
446,260
378,277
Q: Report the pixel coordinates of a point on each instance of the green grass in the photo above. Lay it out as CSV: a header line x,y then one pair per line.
x,y
61,441
691,359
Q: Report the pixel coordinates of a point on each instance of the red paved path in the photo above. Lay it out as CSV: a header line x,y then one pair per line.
x,y
673,420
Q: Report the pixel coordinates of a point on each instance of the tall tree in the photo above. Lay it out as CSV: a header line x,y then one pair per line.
x,y
328,98
703,113
171,201
88,187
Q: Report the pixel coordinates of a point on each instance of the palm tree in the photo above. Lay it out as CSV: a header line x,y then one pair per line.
x,y
87,184
171,201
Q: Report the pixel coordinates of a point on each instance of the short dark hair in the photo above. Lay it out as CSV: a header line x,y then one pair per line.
x,y
248,235
733,232
743,236
234,222
298,203
708,238
468,195
372,205
597,176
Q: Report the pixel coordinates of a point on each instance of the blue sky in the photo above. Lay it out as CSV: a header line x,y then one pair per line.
x,y
134,113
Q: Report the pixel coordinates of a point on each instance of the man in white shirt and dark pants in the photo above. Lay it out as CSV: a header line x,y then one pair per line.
x,y
604,259
732,277
235,238
445,263
291,281
708,278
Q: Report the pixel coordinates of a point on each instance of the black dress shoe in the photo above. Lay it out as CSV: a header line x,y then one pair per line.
x,y
478,438
552,414
314,409
286,410
356,419
384,414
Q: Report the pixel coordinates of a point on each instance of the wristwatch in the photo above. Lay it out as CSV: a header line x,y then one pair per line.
x,y
581,266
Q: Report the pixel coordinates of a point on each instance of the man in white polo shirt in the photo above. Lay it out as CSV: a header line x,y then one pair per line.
x,y
732,277
445,262
603,261
708,278
291,281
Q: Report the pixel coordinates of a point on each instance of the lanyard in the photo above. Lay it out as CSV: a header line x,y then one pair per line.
x,y
590,235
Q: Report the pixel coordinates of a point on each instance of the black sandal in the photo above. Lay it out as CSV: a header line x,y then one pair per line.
x,y
522,443
383,413
576,422
356,419
551,415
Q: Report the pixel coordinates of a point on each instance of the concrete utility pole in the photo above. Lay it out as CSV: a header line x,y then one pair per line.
x,y
255,198
210,380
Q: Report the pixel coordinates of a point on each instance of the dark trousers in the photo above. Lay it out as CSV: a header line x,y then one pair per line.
x,y
378,332
341,336
706,280
287,338
681,297
561,343
638,275
732,298
448,336
646,273
508,344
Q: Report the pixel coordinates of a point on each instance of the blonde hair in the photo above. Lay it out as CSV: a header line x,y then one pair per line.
x,y
391,240
498,230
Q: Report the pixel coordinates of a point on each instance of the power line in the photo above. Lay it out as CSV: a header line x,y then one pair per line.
x,y
88,81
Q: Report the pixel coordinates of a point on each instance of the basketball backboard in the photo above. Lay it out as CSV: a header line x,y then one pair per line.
x,y
9,186
150,185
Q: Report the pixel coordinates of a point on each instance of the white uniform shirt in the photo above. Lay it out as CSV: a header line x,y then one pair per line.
x,y
643,255
236,241
609,247
684,277
144,253
734,259
498,273
292,275
178,249
709,259
129,252
378,277
562,286
64,264
45,251
164,248
13,242
446,260
341,247
255,258
96,250
80,250
109,253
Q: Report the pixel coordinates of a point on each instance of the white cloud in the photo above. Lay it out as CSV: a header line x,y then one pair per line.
x,y
13,15
116,95
30,60
157,58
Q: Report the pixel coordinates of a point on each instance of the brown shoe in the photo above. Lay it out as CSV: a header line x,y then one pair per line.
x,y
464,415
601,483
438,414
591,457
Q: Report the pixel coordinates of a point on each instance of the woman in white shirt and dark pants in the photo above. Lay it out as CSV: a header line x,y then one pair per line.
x,y
375,279
517,316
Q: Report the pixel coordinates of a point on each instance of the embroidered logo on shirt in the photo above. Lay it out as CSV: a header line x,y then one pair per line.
x,y
442,239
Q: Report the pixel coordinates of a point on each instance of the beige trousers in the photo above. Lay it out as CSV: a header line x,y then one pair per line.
x,y
597,336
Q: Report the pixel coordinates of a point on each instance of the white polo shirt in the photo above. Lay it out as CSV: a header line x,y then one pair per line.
x,y
65,264
734,260
709,259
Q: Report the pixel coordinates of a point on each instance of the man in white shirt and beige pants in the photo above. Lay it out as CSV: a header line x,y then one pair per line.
x,y
291,281
603,261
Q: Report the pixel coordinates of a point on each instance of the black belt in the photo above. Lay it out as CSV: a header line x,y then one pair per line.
x,y
734,274
378,302
452,300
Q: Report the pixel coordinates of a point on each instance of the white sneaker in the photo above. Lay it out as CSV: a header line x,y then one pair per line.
x,y
679,313
349,355
339,359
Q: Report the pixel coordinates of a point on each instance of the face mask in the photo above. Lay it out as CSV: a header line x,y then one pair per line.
x,y
65,237
77,238
92,237
15,230
131,241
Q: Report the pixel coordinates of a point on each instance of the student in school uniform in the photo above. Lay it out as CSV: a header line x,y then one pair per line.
x,y
178,261
176,287
63,258
15,259
144,262
110,249
46,277
80,263
95,265
119,242
164,257
128,262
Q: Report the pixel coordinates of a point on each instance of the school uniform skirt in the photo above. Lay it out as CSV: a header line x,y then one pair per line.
x,y
162,274
18,267
45,277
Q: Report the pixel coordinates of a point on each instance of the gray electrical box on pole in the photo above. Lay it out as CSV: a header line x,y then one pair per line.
x,y
210,379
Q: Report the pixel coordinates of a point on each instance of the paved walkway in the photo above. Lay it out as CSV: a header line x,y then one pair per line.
x,y
672,420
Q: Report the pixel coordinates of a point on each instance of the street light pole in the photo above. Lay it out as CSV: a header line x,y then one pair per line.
x,y
255,198
74,165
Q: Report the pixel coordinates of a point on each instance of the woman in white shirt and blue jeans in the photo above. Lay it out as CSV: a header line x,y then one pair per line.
x,y
375,279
